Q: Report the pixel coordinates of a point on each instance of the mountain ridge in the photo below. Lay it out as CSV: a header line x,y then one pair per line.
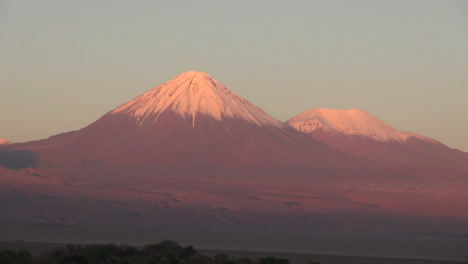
x,y
354,122
357,132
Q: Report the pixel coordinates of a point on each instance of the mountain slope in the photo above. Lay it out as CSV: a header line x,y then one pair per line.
x,y
190,155
355,122
192,94
4,141
190,120
357,132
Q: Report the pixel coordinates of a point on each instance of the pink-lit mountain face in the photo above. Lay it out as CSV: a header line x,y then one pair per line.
x,y
192,157
357,132
190,120
4,141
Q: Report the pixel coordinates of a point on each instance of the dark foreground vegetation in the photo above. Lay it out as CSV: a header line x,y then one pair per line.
x,y
166,252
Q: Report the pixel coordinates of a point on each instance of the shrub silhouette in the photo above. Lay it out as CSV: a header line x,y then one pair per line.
x,y
166,252
15,257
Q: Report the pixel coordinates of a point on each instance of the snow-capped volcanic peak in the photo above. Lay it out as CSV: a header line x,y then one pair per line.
x,y
3,141
354,122
193,93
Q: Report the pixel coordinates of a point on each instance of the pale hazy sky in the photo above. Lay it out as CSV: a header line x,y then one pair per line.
x,y
63,64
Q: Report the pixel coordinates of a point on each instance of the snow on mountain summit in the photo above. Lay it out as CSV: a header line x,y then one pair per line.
x,y
354,122
193,93
4,141
191,120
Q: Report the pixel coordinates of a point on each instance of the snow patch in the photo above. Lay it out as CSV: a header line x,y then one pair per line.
x,y
193,93
350,122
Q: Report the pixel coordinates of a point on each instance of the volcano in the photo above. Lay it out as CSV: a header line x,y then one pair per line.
x,y
192,157
192,120
359,133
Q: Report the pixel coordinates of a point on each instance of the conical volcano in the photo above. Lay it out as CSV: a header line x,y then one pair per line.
x,y
194,94
191,155
190,120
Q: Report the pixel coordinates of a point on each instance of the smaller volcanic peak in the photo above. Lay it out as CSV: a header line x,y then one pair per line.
x,y
194,93
359,133
353,122
4,141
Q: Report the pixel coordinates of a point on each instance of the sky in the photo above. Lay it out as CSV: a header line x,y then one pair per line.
x,y
64,64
